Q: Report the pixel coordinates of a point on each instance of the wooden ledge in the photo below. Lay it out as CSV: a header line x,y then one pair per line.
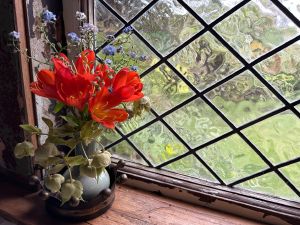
x,y
131,207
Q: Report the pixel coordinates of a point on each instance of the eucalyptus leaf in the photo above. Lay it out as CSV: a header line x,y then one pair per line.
x,y
75,160
57,168
30,128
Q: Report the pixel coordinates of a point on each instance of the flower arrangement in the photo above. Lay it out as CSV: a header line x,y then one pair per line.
x,y
93,97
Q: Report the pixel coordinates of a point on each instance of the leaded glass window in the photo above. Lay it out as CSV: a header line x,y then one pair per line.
x,y
224,80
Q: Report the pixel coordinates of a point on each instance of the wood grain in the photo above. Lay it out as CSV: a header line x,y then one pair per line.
x,y
131,207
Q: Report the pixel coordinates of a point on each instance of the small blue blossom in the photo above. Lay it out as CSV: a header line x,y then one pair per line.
x,y
108,61
15,35
73,37
120,49
109,50
127,30
110,37
132,55
48,16
88,27
134,68
143,58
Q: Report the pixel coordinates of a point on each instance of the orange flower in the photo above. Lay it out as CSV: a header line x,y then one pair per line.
x,y
128,84
73,88
105,73
102,111
45,85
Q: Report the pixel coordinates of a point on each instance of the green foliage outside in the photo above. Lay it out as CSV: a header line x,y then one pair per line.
x,y
253,31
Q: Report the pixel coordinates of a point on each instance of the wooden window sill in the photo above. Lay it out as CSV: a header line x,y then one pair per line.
x,y
131,207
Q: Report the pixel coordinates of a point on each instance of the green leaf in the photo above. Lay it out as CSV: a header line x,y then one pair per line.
x,y
58,107
30,128
70,120
90,131
51,161
64,131
55,140
71,143
75,160
57,168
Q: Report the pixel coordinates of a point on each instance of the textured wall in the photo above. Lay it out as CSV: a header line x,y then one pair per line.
x,y
11,99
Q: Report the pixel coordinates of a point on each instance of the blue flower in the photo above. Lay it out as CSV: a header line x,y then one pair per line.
x,y
109,50
15,35
73,37
108,61
88,27
127,30
132,55
48,16
143,58
134,68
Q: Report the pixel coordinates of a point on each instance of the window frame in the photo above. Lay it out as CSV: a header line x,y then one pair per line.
x,y
201,192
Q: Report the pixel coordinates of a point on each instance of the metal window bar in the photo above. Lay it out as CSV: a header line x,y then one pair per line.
x,y
247,66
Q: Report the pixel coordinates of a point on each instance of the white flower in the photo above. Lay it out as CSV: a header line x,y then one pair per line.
x,y
80,16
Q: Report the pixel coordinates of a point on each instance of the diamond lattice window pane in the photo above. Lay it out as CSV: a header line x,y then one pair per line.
x,y
277,137
205,61
292,172
108,137
210,10
128,8
297,107
165,89
158,143
269,184
106,22
190,166
232,159
282,70
124,151
257,28
135,122
167,25
197,123
132,44
244,98
293,6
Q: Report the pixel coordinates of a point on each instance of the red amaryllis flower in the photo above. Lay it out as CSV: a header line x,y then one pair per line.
x,y
71,86
45,85
85,62
105,73
128,85
102,111
73,89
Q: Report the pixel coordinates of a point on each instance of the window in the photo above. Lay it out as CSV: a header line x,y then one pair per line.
x,y
224,81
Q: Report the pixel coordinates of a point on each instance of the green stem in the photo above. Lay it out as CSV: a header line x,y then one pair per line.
x,y
84,153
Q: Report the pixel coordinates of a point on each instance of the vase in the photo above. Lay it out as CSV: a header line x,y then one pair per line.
x,y
98,194
92,187
86,210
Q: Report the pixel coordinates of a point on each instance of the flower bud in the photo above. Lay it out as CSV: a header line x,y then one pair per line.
x,y
71,189
24,149
101,159
78,189
67,190
53,182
